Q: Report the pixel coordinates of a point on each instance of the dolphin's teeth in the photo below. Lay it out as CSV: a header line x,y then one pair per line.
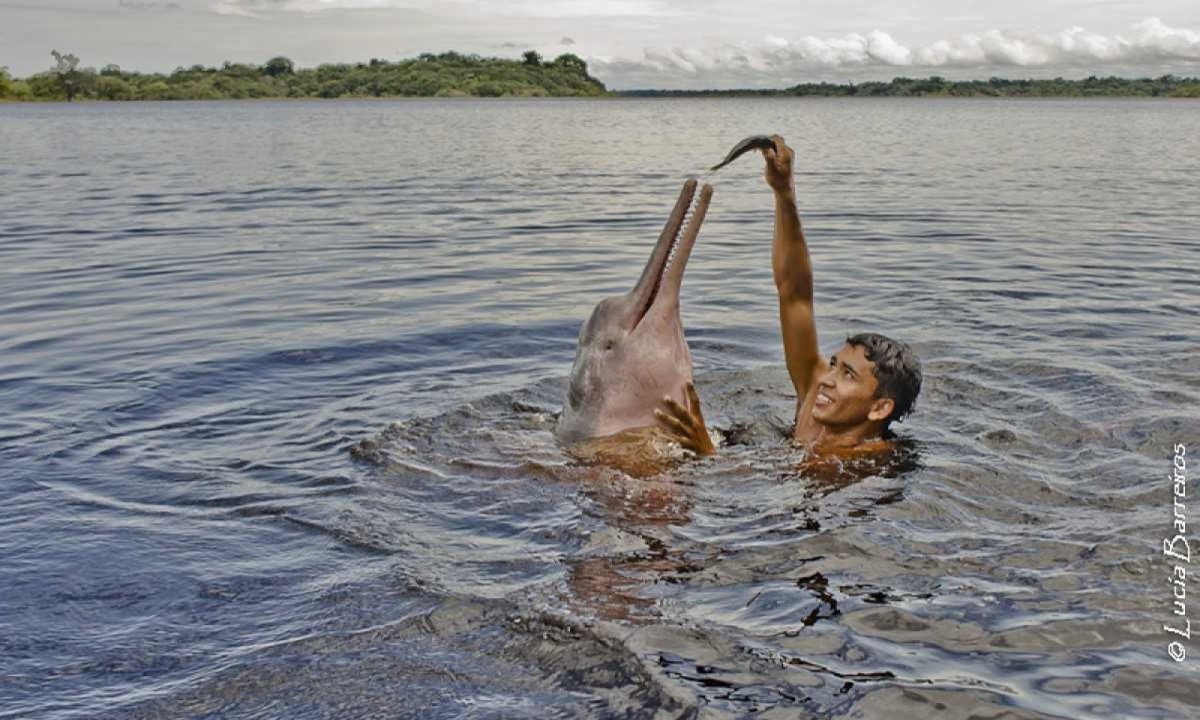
x,y
683,225
684,222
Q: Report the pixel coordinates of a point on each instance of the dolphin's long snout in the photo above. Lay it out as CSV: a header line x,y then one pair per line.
x,y
683,248
661,279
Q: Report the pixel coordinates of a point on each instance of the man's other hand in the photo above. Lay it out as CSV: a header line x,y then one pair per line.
x,y
686,424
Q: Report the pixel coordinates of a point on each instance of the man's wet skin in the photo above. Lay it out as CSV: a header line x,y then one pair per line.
x,y
841,409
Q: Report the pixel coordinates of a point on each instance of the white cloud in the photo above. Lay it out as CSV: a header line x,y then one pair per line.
x,y
232,8
149,4
1154,36
881,45
527,8
761,64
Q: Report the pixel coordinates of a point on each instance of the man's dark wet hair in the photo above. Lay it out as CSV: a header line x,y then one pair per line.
x,y
897,369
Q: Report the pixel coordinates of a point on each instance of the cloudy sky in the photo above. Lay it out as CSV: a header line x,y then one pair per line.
x,y
630,43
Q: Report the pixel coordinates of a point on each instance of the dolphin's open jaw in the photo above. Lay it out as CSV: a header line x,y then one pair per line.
x,y
664,270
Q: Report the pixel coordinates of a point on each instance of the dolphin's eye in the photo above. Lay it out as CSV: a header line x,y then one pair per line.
x,y
609,344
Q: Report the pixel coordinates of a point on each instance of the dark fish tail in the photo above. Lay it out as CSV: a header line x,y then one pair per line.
x,y
754,142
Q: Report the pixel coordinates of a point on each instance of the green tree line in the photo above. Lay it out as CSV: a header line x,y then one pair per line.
x,y
449,74
453,74
1164,86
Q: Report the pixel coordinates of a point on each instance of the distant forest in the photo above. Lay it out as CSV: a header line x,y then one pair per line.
x,y
1164,86
449,74
452,74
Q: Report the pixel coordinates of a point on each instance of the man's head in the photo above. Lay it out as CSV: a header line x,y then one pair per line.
x,y
872,378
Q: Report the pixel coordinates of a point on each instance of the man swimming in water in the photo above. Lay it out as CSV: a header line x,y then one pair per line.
x,y
844,405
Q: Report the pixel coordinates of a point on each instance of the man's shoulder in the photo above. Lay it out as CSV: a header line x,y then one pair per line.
x,y
805,428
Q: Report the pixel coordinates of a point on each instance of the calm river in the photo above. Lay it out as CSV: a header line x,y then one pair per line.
x,y
278,383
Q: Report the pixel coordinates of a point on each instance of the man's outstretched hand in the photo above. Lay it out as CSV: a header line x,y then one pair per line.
x,y
686,424
779,166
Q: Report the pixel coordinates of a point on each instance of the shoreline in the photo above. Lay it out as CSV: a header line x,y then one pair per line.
x,y
616,96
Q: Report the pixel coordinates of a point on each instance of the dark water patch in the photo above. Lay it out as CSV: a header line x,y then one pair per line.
x,y
501,662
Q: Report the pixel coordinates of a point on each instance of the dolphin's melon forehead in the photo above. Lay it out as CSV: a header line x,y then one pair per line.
x,y
607,312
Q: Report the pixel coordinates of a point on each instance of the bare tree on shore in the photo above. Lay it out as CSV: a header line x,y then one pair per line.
x,y
67,70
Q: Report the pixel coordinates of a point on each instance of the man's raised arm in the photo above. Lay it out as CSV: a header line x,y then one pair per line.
x,y
793,273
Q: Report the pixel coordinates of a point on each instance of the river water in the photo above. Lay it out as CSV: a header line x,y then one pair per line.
x,y
279,382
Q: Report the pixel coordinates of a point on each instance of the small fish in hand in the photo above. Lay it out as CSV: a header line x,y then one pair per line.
x,y
754,142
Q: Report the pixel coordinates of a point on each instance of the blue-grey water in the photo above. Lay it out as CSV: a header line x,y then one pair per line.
x,y
279,381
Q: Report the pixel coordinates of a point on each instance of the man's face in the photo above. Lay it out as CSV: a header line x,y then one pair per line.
x,y
846,392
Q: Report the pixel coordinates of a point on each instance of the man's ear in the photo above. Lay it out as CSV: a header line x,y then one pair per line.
x,y
881,409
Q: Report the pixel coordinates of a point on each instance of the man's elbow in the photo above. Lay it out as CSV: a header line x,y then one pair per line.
x,y
792,292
